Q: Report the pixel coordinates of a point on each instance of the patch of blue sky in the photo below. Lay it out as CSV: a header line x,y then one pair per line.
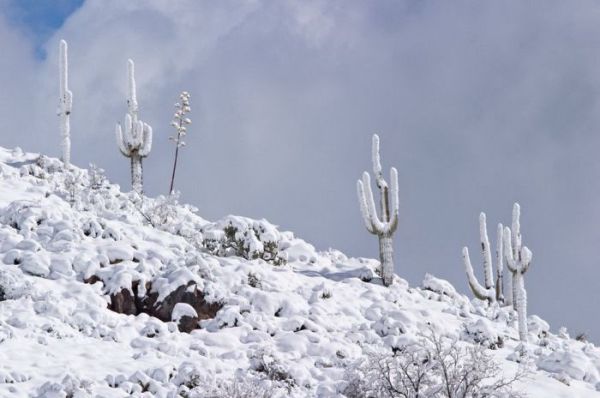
x,y
39,19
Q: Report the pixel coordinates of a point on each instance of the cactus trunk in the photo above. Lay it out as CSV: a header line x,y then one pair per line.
x,y
65,132
521,304
136,173
386,256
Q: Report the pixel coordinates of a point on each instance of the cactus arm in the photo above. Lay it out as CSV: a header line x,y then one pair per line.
x,y
393,221
376,159
121,144
378,226
487,253
516,230
478,291
508,251
138,134
499,264
364,208
526,257
146,141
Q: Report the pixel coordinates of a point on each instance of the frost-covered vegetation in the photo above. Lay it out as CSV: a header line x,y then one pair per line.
x,y
107,293
180,122
97,300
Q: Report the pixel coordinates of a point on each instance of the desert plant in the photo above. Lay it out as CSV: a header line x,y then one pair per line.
x,y
488,291
385,227
135,141
180,121
518,260
65,104
433,366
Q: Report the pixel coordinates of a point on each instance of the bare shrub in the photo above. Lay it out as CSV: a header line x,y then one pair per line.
x,y
432,367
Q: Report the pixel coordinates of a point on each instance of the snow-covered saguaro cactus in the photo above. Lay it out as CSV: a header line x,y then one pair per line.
x,y
518,260
65,104
135,139
385,227
488,291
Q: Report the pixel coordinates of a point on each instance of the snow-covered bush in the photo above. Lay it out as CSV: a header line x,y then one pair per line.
x,y
484,333
266,362
432,366
41,167
69,387
243,237
12,285
167,214
385,227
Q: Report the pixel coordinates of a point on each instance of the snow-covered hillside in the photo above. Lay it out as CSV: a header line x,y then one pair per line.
x,y
77,256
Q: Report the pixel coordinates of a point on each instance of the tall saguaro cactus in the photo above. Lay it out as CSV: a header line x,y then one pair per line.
x,y
518,261
385,227
65,103
488,291
135,140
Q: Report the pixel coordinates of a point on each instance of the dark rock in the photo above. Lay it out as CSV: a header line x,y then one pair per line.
x,y
130,303
123,302
187,324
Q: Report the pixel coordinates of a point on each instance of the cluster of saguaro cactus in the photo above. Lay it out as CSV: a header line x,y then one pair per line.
x,y
385,227
65,104
490,291
518,260
135,139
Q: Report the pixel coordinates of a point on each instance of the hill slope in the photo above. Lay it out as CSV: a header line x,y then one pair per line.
x,y
77,256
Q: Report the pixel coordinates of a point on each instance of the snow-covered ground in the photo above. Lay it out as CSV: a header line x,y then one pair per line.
x,y
71,245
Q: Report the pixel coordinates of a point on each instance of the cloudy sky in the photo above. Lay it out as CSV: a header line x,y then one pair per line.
x,y
478,105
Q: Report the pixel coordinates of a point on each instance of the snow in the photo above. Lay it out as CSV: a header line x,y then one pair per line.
x,y
298,324
181,310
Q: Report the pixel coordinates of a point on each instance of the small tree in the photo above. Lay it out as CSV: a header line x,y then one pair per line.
x,y
435,366
135,142
65,104
180,121
385,227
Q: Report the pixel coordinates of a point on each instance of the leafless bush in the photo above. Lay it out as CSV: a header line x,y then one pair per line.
x,y
238,388
433,367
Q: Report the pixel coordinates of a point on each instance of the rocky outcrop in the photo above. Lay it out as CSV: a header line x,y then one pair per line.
x,y
129,302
